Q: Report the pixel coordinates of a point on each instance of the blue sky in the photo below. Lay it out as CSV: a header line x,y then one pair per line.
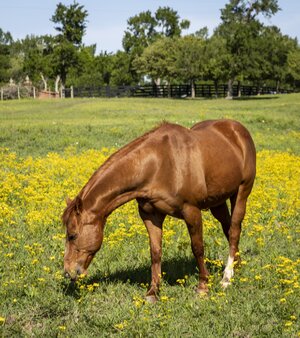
x,y
107,20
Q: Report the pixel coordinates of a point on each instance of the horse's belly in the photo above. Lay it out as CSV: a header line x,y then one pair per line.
x,y
214,200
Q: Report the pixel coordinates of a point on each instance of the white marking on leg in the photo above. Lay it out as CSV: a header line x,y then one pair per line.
x,y
228,272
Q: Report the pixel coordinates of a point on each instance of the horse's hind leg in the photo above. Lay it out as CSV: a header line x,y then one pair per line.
x,y
237,216
221,213
153,222
193,219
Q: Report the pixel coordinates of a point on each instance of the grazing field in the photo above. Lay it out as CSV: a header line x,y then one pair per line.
x,y
49,149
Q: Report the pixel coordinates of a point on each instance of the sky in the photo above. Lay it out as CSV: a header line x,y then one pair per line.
x,y
107,20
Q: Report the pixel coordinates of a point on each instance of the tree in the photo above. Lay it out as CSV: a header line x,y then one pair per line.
x,y
85,73
36,53
191,59
5,62
274,48
169,22
217,59
122,73
65,57
71,25
144,29
104,64
71,22
240,28
293,63
158,61
140,32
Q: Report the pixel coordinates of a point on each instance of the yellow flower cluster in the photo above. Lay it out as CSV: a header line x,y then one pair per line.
x,y
40,186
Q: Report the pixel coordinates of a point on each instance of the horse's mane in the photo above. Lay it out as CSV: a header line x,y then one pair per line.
x,y
123,151
69,209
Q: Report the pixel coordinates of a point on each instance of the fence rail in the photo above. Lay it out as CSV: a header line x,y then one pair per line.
x,y
17,92
174,91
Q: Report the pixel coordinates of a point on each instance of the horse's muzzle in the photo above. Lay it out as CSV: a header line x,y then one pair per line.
x,y
68,276
73,274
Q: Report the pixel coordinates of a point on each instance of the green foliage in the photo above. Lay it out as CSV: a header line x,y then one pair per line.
x,y
275,48
241,29
191,59
5,38
140,32
121,70
144,28
65,57
38,56
247,11
217,58
169,22
293,63
158,60
71,22
5,42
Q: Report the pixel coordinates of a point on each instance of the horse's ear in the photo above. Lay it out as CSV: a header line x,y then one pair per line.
x,y
78,205
68,201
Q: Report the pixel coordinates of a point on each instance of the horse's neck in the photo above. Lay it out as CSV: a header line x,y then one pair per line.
x,y
111,186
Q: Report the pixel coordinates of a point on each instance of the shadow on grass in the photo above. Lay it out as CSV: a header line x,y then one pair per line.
x,y
173,269
255,98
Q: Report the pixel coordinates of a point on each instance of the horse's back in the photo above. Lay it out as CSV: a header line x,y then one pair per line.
x,y
221,137
201,166
211,144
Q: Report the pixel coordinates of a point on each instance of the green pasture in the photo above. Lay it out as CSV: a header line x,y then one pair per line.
x,y
46,153
38,127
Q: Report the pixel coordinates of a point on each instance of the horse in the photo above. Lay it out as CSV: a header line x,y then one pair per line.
x,y
171,170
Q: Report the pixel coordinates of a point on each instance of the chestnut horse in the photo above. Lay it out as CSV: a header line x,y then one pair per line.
x,y
172,171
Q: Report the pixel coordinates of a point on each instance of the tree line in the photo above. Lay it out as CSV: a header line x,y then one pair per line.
x,y
241,50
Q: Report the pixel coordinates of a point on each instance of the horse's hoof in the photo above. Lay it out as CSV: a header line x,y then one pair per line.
x,y
151,299
225,283
202,292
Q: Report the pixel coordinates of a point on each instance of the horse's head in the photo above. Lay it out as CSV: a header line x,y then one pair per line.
x,y
84,237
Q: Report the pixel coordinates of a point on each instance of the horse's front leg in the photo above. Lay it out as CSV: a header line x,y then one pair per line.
x,y
153,222
193,218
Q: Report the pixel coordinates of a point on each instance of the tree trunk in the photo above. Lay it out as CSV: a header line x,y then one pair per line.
x,y
239,89
56,83
230,89
193,89
277,86
157,81
169,89
44,81
216,88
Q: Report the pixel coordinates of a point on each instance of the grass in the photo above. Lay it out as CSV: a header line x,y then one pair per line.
x,y
48,151
38,127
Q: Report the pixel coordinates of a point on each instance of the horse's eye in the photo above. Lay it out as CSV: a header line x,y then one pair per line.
x,y
72,237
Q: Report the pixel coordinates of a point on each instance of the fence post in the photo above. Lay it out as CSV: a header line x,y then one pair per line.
x,y
72,92
34,92
1,94
19,92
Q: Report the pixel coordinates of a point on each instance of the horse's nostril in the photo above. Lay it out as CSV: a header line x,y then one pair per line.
x,y
67,275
